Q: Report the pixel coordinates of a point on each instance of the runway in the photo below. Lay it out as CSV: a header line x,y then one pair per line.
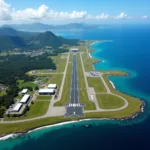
x,y
74,108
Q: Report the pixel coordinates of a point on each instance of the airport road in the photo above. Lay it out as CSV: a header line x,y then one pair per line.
x,y
74,108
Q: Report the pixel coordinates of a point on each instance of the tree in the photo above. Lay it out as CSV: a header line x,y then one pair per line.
x,y
36,88
2,111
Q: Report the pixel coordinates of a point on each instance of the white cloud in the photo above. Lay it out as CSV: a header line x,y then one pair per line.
x,y
102,16
5,10
44,13
31,14
145,17
121,16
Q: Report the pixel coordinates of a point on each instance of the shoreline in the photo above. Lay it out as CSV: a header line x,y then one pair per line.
x,y
11,136
14,135
112,84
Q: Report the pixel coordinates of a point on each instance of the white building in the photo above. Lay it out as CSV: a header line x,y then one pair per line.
x,y
46,91
74,49
25,99
17,107
24,91
52,86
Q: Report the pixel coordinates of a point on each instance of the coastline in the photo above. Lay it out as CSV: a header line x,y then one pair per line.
x,y
8,136
14,135
112,84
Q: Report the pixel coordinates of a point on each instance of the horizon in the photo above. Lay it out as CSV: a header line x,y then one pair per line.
x,y
56,12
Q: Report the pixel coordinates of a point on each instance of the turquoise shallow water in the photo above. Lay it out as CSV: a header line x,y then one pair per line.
x,y
129,51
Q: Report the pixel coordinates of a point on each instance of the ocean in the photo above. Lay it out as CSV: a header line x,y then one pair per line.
x,y
128,50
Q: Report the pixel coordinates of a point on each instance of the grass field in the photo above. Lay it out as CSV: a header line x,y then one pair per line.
x,y
97,84
108,101
43,98
25,126
60,62
66,89
3,92
27,84
82,88
39,108
56,79
88,62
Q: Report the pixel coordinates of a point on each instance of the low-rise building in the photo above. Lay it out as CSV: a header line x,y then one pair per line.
x,y
74,49
52,86
25,99
46,92
17,107
24,91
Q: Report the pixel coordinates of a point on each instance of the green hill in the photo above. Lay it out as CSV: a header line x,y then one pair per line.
x,y
9,42
11,38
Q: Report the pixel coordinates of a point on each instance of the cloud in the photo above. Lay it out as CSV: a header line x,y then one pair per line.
x,y
67,15
145,17
101,16
122,16
5,10
31,14
43,12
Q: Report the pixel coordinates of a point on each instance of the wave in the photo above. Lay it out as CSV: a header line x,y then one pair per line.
x,y
90,55
94,43
8,137
112,84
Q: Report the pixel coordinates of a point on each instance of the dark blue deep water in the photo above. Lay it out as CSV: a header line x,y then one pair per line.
x,y
128,50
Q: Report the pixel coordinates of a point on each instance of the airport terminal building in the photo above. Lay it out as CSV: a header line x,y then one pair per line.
x,y
74,49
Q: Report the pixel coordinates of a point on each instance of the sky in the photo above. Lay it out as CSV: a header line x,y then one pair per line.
x,y
68,11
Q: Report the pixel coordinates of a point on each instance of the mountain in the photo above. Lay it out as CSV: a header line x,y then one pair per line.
x,y
11,38
9,42
39,27
7,30
49,39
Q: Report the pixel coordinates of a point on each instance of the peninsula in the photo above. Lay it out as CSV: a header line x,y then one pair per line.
x,y
70,90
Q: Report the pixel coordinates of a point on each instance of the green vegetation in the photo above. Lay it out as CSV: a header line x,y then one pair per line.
x,y
29,125
13,69
17,66
27,84
82,88
56,79
3,92
133,108
97,84
71,57
8,99
39,108
43,98
88,62
108,101
66,88
10,38
60,61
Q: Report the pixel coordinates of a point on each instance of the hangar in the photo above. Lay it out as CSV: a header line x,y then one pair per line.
x,y
46,92
25,99
52,86
24,91
17,107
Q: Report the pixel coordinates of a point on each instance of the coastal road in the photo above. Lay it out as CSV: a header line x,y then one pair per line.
x,y
74,108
